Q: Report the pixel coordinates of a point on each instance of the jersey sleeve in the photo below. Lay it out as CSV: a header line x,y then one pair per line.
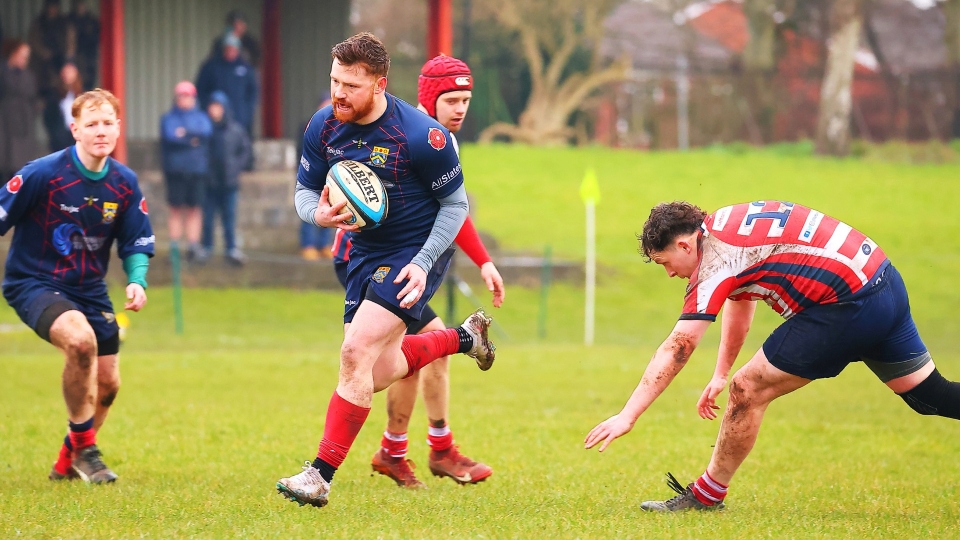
x,y
312,173
134,233
435,160
19,195
708,290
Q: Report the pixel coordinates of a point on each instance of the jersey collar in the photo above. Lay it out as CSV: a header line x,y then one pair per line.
x,y
95,176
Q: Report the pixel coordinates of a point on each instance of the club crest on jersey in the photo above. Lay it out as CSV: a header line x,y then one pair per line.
x,y
381,274
109,212
437,139
143,206
379,155
110,317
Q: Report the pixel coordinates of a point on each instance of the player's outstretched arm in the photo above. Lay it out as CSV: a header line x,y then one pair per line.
x,y
734,326
669,359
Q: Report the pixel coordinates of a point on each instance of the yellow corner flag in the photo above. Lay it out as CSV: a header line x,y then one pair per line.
x,y
590,188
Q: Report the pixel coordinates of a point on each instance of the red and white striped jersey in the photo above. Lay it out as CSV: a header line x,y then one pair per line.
x,y
790,256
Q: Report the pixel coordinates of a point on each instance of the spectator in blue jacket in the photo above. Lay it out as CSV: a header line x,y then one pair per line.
x,y
185,132
233,76
229,151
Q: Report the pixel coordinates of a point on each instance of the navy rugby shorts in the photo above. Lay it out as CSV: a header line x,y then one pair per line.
x,y
32,300
414,327
874,326
370,277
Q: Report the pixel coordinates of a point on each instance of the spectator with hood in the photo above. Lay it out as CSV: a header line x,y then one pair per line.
x,y
249,45
229,151
232,75
185,145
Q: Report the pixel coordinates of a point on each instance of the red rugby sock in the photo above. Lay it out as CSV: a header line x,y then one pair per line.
x,y
64,460
440,439
344,420
82,435
394,444
421,349
709,491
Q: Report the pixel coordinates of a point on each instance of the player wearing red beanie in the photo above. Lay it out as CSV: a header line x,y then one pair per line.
x,y
444,91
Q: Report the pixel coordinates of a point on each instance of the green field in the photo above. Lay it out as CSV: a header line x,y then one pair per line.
x,y
207,421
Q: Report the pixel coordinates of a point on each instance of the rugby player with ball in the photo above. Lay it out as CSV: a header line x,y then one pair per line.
x,y
397,263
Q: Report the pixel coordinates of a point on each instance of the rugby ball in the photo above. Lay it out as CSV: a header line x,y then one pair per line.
x,y
366,197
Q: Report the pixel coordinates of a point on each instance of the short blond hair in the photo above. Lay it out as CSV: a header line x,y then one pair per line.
x,y
93,99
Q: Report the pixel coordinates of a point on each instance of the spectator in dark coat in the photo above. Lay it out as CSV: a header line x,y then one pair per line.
x,y
249,45
58,114
229,151
48,36
86,32
18,109
185,132
234,77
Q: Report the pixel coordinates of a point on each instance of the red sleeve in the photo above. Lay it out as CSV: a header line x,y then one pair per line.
x,y
469,241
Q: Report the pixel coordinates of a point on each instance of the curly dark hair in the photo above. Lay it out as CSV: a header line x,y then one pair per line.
x,y
667,221
364,49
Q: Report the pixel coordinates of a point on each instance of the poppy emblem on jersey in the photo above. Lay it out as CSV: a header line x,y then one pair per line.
x,y
381,274
109,212
15,184
143,205
379,155
437,139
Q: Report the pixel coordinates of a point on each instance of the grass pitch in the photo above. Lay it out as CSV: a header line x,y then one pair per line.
x,y
207,422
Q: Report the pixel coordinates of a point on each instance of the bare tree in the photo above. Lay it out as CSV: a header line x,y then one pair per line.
x,y
833,125
551,32
759,63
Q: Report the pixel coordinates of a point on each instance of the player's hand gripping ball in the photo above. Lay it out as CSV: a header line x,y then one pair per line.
x,y
366,197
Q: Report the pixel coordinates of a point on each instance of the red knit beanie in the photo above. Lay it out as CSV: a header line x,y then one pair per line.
x,y
440,75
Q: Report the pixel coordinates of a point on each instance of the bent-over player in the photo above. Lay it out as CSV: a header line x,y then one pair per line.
x,y
842,299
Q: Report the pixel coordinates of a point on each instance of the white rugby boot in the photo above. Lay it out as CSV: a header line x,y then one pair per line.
x,y
307,487
483,350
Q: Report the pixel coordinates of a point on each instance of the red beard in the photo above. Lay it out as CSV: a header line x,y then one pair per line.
x,y
358,111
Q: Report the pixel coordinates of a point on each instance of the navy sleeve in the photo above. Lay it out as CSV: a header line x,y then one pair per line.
x,y
433,156
20,194
312,173
134,233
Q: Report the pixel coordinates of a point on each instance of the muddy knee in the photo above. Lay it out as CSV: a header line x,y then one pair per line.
x,y
81,348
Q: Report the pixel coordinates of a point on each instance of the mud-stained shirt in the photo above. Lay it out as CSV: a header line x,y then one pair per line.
x,y
790,256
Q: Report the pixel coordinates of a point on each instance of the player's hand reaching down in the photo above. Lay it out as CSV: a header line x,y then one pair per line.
x,y
136,297
329,216
491,276
412,292
606,431
707,405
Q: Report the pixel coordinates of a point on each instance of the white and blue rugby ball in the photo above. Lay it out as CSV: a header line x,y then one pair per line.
x,y
366,197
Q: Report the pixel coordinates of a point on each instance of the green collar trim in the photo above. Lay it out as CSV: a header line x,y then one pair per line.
x,y
87,172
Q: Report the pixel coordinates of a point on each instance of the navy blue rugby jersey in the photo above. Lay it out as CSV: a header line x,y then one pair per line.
x,y
66,222
413,155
